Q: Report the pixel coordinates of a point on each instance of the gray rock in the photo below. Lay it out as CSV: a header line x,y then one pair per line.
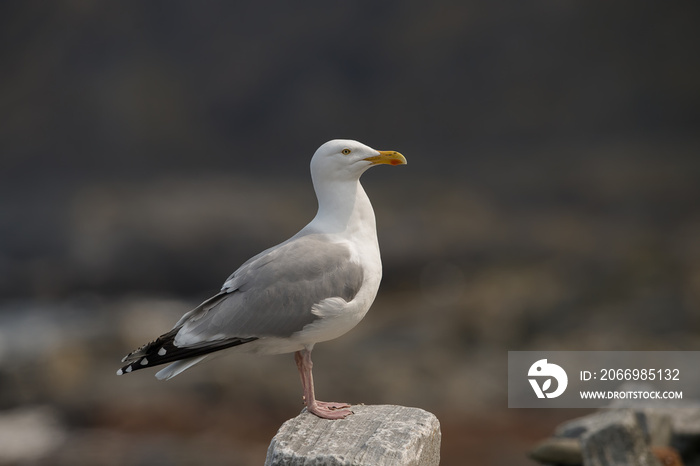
x,y
684,417
29,434
616,438
554,450
374,435
656,425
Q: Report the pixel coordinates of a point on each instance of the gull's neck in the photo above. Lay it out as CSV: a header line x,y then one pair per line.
x,y
344,209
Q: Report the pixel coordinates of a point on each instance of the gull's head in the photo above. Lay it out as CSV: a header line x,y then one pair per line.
x,y
344,159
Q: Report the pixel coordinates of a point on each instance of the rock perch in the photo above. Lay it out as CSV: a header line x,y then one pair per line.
x,y
378,435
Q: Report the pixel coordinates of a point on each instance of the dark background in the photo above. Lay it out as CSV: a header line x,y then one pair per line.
x,y
149,148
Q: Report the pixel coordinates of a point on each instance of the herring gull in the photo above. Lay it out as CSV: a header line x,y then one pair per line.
x,y
314,287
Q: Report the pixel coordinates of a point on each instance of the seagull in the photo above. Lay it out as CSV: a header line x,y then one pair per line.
x,y
313,287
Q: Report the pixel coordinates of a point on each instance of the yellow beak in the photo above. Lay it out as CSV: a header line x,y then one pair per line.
x,y
390,157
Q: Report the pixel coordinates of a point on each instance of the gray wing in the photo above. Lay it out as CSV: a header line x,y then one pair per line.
x,y
270,295
273,293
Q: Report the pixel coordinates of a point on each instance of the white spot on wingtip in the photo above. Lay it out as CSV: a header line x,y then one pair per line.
x,y
120,372
162,351
128,369
144,361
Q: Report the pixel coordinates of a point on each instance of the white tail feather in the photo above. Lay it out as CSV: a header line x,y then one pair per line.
x,y
175,368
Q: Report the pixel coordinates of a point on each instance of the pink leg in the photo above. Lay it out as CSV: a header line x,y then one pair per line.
x,y
322,409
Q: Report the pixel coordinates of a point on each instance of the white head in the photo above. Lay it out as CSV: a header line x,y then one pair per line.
x,y
336,168
346,160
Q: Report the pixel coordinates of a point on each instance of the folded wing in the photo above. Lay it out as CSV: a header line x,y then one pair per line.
x,y
271,295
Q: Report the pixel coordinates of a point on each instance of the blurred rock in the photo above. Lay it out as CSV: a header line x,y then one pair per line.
x,y
29,434
640,433
667,456
656,426
684,420
615,438
564,451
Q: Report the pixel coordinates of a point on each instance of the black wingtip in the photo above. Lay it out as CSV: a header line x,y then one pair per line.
x,y
163,351
138,364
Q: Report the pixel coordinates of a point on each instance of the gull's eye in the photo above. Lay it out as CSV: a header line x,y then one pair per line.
x,y
345,151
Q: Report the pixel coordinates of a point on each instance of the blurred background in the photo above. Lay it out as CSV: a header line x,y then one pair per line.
x,y
149,148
